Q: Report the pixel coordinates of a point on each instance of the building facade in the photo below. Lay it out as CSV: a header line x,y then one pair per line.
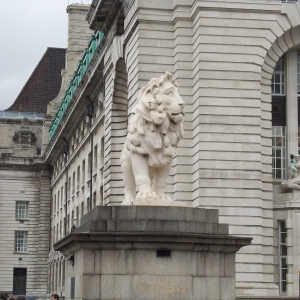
x,y
24,182
25,197
236,63
25,201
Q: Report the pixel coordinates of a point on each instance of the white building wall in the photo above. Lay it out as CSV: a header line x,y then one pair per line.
x,y
24,183
223,54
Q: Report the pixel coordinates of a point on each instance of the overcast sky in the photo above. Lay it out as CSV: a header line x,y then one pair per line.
x,y
27,28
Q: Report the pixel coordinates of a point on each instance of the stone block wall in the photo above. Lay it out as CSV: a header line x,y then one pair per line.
x,y
30,184
150,253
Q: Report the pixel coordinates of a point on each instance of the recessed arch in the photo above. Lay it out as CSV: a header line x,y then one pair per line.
x,y
116,128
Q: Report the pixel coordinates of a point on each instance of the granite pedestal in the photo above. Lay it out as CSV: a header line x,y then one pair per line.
x,y
140,252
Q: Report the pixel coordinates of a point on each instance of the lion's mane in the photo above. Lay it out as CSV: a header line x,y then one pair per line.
x,y
157,143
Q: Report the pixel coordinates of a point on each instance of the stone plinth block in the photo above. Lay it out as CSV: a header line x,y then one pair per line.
x,y
132,252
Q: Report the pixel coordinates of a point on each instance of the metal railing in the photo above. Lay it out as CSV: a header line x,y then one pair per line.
x,y
94,42
289,1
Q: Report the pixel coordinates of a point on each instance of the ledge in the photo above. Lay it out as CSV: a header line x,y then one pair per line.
x,y
142,227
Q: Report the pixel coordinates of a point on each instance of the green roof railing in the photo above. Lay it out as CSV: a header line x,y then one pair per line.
x,y
88,53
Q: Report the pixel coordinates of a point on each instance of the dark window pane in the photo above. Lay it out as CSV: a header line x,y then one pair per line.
x,y
278,174
277,89
283,287
278,153
283,237
283,274
278,163
282,227
283,263
283,250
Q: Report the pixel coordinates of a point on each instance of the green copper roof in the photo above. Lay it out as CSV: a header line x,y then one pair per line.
x,y
94,42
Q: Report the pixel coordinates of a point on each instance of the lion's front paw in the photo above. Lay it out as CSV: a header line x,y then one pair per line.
x,y
146,197
127,201
164,197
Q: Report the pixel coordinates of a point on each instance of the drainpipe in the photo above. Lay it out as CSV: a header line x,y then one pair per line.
x,y
90,113
65,150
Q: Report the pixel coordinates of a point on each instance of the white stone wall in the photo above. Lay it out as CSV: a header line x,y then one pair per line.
x,y
78,191
25,184
223,53
78,36
230,130
8,128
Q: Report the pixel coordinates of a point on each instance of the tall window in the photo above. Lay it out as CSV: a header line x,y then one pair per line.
x,y
298,72
89,164
279,152
22,209
94,199
282,256
298,91
69,187
21,241
73,183
95,158
83,172
72,287
62,196
278,79
279,121
82,209
102,151
54,205
78,178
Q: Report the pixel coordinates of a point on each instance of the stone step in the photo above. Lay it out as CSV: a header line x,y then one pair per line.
x,y
151,213
150,225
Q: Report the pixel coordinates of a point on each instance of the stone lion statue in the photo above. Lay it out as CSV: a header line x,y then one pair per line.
x,y
154,131
294,173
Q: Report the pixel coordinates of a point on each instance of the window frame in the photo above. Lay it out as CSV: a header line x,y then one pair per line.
x,y
283,149
279,122
21,241
280,71
18,209
282,244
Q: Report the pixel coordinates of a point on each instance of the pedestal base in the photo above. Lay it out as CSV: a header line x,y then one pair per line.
x,y
132,252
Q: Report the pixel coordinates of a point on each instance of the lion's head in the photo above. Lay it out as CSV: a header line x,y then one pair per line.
x,y
156,125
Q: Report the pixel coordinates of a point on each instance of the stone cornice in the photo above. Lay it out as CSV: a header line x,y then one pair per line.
x,y
270,6
77,8
21,164
150,240
151,227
